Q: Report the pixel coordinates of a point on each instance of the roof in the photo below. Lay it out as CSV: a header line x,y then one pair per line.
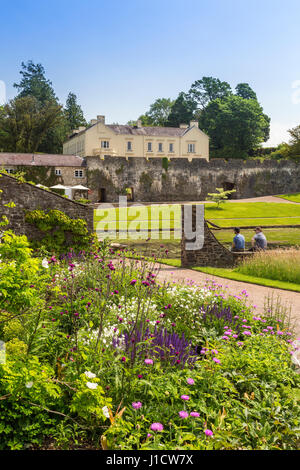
x,y
146,131
30,159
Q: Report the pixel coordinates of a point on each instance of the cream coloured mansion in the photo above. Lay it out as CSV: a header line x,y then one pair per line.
x,y
114,140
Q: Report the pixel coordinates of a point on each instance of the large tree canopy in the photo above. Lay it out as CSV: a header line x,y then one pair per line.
x,y
235,125
208,89
24,123
34,84
182,111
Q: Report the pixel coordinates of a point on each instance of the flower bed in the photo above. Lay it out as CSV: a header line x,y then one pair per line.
x,y
100,354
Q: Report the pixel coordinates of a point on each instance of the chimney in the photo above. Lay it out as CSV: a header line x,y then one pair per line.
x,y
93,121
194,123
101,119
183,126
139,123
81,128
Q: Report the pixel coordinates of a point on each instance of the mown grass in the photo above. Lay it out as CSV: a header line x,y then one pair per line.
x,y
294,197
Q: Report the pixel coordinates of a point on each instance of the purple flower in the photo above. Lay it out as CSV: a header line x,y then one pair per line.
x,y
185,397
183,414
136,405
194,414
190,381
216,360
123,359
132,282
156,427
208,432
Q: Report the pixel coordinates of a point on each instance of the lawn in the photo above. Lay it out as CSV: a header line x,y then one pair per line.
x,y
230,214
294,197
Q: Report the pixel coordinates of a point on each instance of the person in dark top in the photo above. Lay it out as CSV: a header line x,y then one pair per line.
x,y
238,243
259,241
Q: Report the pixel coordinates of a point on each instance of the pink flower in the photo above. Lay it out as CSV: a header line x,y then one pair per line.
x,y
132,282
208,432
190,381
216,360
185,397
194,414
148,361
136,405
156,427
183,414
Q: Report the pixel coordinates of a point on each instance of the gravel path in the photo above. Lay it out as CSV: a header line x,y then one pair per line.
x,y
257,294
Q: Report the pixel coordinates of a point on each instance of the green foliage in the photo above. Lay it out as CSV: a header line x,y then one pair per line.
x,y
62,231
235,126
74,112
220,197
24,123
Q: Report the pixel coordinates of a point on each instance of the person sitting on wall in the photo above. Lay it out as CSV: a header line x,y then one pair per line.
x,y
238,243
259,241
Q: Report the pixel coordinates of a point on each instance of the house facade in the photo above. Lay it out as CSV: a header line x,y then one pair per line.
x,y
46,169
114,140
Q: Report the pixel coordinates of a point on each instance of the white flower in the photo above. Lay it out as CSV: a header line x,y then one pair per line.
x,y
91,385
90,375
45,263
29,384
105,411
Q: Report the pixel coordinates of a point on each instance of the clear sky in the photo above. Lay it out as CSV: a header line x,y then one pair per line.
x,y
119,56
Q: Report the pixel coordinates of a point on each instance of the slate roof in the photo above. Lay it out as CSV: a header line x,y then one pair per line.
x,y
30,159
148,131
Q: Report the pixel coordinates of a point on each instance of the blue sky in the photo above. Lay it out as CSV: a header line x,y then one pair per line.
x,y
119,56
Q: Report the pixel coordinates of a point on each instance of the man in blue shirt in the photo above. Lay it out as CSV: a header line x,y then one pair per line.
x,y
238,243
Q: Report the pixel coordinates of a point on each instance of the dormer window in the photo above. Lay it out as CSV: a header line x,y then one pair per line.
x,y
104,144
191,148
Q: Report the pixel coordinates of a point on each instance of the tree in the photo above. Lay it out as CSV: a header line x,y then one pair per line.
x,y
294,143
235,126
159,112
34,83
220,197
24,124
183,111
245,91
74,113
208,89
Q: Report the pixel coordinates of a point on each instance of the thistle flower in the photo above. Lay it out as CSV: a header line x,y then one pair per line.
x,y
208,432
136,405
156,427
183,414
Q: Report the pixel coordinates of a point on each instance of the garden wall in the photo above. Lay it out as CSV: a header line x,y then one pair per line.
x,y
157,180
28,197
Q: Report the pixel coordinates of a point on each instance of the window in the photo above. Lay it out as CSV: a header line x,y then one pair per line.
x,y
149,147
129,146
78,174
58,172
160,147
104,144
191,148
171,147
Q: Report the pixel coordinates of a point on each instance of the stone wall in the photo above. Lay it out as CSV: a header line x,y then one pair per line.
x,y
212,254
28,197
185,180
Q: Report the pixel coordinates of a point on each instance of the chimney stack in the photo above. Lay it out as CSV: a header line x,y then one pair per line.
x,y
101,119
183,126
139,123
194,123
